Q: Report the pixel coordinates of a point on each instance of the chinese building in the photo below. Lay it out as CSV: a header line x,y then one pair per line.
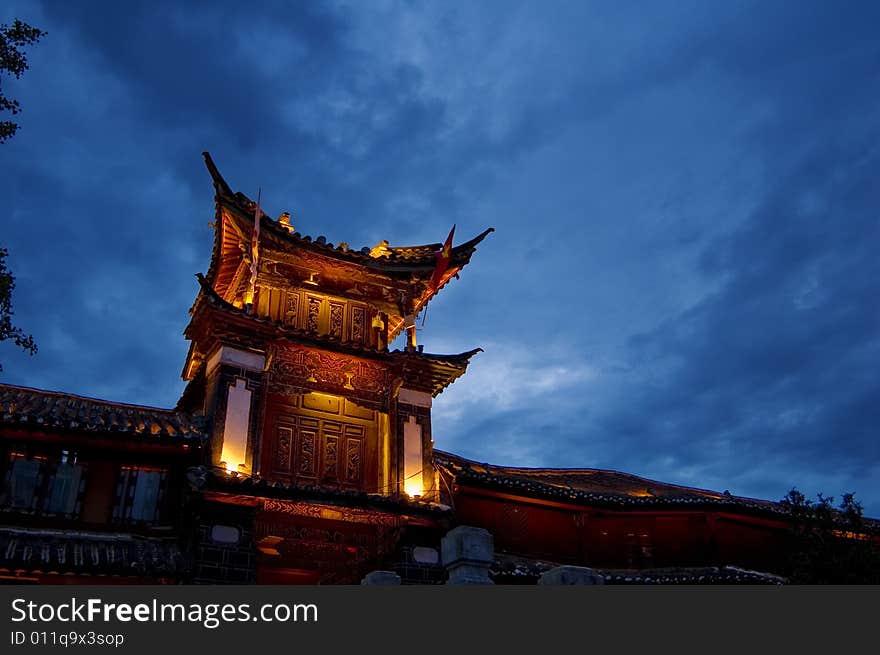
x,y
91,489
302,450
321,436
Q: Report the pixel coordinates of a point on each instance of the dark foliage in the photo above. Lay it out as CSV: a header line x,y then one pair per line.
x,y
828,545
14,62
7,330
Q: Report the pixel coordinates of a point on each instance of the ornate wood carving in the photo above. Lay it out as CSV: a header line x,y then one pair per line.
x,y
372,378
337,278
323,446
294,369
336,313
291,310
333,512
328,368
282,452
312,322
357,324
328,402
353,460
331,464
287,371
288,530
307,452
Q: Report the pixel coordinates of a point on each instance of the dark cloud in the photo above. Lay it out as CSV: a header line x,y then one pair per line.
x,y
780,364
683,280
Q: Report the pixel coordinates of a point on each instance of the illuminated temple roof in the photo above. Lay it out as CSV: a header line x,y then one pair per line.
x,y
24,407
392,261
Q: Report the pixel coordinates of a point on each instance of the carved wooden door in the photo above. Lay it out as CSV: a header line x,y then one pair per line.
x,y
309,447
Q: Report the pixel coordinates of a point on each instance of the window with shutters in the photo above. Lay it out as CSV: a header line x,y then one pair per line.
x,y
140,495
43,485
66,486
24,482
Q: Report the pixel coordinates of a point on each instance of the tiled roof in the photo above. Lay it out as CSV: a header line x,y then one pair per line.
x,y
722,575
605,488
512,569
397,257
433,372
402,258
24,407
94,553
576,484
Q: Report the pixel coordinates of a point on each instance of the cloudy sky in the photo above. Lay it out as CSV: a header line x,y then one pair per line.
x,y
683,282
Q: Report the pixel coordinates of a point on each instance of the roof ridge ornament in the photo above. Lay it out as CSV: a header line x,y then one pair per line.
x,y
284,221
381,249
220,184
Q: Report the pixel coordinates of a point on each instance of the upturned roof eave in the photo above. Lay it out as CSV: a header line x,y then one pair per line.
x,y
395,262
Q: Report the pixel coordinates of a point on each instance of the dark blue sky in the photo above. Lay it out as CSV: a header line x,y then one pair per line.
x,y
684,279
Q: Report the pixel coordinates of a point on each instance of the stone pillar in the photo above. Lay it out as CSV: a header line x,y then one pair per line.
x,y
381,578
571,575
468,553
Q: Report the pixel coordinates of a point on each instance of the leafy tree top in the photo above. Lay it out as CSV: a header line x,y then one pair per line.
x,y
828,545
13,60
7,330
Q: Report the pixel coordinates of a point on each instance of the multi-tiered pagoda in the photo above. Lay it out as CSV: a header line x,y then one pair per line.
x,y
290,361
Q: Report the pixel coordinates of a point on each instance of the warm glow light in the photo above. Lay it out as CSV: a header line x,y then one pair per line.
x,y
240,469
413,461
235,431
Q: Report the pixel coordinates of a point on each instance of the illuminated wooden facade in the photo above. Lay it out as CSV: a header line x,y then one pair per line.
x,y
293,370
